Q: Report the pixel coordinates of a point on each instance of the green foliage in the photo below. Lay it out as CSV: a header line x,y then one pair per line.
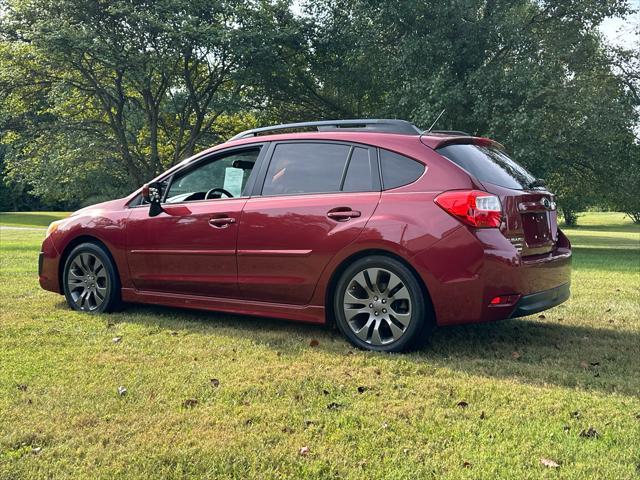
x,y
102,96
98,97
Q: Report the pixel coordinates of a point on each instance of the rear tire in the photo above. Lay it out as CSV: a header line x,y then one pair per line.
x,y
379,305
90,281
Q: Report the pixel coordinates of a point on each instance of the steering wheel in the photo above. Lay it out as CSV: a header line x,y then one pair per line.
x,y
220,190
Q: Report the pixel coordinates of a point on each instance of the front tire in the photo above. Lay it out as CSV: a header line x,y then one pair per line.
x,y
90,281
379,305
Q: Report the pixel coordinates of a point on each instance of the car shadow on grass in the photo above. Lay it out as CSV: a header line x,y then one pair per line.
x,y
529,350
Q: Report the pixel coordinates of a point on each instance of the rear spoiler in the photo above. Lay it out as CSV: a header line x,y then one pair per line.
x,y
460,140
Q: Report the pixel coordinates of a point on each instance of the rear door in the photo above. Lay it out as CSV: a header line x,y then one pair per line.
x,y
530,212
314,199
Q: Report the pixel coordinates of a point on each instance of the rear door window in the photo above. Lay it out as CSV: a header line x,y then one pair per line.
x,y
317,167
489,164
359,177
398,170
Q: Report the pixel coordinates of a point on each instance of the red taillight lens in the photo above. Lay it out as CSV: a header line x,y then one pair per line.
x,y
474,207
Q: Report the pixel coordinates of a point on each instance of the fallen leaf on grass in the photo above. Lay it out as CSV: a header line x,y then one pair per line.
x,y
584,365
462,404
515,355
308,422
482,415
304,451
22,387
362,389
314,343
333,406
36,450
590,433
467,465
575,414
122,391
214,382
566,428
549,463
190,403
116,339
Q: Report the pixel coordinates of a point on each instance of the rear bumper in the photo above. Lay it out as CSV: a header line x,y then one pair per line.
x,y
537,302
470,268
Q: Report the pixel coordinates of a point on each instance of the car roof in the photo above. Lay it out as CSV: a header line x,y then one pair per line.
x,y
377,139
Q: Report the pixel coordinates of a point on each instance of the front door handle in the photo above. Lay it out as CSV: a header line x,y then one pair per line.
x,y
343,214
221,222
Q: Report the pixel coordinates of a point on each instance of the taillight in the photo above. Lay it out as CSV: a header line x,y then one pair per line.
x,y
474,207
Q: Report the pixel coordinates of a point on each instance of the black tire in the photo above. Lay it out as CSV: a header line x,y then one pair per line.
x,y
90,272
383,331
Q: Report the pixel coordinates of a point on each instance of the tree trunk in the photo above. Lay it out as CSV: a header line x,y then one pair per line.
x,y
570,217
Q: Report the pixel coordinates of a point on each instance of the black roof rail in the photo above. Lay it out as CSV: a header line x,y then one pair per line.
x,y
450,132
374,125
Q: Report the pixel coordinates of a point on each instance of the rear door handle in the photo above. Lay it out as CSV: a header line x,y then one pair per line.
x,y
221,222
343,215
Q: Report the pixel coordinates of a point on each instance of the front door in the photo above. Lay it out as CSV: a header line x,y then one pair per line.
x,y
315,200
190,248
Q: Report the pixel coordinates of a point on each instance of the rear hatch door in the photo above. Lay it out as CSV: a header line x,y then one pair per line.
x,y
530,221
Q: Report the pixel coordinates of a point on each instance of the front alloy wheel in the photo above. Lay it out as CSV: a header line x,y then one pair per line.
x,y
90,282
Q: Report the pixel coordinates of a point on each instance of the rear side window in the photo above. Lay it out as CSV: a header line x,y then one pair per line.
x,y
398,170
489,164
358,177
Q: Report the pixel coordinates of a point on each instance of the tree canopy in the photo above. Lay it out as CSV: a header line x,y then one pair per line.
x,y
98,96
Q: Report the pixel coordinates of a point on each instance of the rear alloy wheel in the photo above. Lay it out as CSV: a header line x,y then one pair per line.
x,y
90,282
379,305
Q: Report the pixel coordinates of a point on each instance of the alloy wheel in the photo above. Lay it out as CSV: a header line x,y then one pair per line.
x,y
377,306
87,281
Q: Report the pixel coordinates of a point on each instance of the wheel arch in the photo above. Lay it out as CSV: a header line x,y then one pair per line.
x,y
73,244
344,264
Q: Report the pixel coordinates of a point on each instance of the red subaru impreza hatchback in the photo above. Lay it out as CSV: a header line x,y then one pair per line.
x,y
382,228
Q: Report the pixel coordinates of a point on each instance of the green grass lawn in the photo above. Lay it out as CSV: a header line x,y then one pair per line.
x,y
529,386
30,219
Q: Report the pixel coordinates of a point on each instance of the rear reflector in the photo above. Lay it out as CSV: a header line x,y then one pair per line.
x,y
473,207
503,300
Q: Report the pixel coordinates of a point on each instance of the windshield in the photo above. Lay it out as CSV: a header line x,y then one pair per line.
x,y
489,164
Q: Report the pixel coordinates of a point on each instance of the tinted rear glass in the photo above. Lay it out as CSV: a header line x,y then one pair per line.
x,y
358,177
398,170
489,164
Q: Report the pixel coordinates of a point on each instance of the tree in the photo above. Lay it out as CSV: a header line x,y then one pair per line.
x,y
125,89
533,75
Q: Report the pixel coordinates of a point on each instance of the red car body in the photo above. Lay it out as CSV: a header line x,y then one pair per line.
x,y
279,256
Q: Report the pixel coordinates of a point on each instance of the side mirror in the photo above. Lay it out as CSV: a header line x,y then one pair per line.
x,y
152,193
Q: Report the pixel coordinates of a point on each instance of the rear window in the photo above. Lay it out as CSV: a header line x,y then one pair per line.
x,y
489,164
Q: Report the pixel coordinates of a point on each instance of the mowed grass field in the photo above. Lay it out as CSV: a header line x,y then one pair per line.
x,y
218,396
